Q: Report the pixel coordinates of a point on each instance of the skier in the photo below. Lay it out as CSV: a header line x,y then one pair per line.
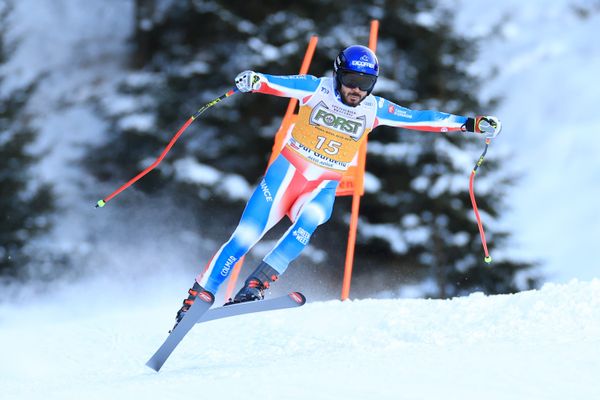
x,y
335,116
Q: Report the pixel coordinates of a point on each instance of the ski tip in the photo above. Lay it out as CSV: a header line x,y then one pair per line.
x,y
153,365
298,298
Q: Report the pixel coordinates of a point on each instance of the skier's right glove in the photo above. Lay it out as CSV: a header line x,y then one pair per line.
x,y
488,125
247,81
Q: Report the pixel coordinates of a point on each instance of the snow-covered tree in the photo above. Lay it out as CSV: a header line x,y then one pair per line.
x,y
24,205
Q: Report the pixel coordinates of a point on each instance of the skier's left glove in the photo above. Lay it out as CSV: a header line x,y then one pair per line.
x,y
247,81
487,125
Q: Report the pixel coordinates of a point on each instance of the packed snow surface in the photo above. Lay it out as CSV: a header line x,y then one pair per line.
x,y
93,343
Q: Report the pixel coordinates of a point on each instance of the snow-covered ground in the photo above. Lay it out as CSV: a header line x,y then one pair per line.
x,y
91,340
92,343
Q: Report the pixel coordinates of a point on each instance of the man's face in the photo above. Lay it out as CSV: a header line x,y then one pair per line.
x,y
355,86
352,96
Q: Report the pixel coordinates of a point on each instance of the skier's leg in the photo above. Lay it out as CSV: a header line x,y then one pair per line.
x,y
309,211
267,205
313,209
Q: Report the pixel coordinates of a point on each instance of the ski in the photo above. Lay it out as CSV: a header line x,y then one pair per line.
x,y
200,312
290,300
203,302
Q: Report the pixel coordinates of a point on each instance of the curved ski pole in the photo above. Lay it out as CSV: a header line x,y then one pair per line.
x,y
102,203
488,258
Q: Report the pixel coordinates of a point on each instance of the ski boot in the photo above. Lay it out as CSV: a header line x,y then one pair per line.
x,y
187,303
255,285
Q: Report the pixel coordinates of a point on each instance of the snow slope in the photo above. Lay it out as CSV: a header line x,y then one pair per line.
x,y
91,340
541,344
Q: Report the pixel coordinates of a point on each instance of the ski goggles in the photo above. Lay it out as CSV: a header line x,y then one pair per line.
x,y
357,80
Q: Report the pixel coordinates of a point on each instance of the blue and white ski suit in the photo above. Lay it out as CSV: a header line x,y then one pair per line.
x,y
302,181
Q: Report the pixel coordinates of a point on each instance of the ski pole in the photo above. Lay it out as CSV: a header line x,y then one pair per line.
x,y
102,203
487,258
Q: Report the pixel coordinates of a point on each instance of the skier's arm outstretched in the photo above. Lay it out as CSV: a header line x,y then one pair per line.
x,y
391,114
296,86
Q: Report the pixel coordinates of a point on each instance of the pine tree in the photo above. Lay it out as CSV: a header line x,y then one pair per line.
x,y
24,205
189,52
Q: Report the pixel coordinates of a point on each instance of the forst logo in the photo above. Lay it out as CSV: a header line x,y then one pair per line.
x,y
321,115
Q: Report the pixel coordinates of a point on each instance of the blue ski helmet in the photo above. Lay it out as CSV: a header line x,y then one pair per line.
x,y
356,60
